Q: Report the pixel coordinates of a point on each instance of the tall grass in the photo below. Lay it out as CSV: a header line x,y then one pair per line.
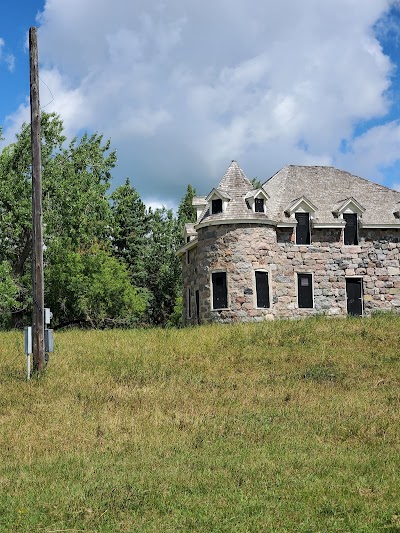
x,y
290,426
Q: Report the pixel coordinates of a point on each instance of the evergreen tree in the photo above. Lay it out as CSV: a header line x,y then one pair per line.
x,y
130,226
186,211
162,265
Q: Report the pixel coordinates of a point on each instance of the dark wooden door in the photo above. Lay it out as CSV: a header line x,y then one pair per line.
x,y
354,296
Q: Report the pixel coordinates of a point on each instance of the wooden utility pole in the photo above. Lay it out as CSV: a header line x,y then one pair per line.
x,y
37,215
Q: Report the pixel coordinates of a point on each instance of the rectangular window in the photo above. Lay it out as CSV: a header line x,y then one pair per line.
x,y
304,291
197,296
259,205
220,293
303,235
350,229
188,303
262,289
187,257
216,206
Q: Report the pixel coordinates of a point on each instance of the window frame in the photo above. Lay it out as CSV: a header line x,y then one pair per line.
x,y
310,276
189,302
266,272
356,236
308,238
214,273
258,200
220,202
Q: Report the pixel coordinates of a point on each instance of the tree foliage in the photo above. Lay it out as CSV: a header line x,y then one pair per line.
x,y
162,265
108,259
186,211
130,228
91,287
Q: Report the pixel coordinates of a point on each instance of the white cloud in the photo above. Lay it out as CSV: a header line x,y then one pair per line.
x,y
182,88
7,58
376,149
13,123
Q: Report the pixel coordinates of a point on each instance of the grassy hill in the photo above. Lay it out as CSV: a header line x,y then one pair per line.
x,y
285,426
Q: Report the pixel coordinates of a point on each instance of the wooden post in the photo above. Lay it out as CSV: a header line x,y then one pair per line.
x,y
37,231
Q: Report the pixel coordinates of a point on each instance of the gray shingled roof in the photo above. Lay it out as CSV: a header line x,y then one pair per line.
x,y
326,187
236,185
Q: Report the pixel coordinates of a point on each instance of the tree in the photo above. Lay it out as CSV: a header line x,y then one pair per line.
x,y
130,228
162,265
8,293
186,211
91,288
76,211
256,183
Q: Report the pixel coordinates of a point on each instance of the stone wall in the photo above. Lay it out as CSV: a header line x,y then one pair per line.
x,y
241,249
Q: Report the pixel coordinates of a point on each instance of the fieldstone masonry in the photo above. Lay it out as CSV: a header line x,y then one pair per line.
x,y
240,250
240,240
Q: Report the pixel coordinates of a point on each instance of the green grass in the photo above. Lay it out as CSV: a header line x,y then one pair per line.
x,y
290,426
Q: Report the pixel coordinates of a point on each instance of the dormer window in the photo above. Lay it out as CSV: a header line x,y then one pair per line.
x,y
351,228
350,211
303,211
217,201
216,206
303,233
256,200
259,205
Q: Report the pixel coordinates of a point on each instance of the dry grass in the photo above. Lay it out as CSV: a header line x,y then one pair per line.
x,y
285,426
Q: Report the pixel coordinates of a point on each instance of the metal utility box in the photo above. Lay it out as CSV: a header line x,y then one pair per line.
x,y
48,315
48,341
28,340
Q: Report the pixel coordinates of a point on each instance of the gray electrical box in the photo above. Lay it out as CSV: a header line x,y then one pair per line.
x,y
48,341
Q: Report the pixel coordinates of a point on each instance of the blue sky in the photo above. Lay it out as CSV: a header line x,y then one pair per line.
x,y
182,89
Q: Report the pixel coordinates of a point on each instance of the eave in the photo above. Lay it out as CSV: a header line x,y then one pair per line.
x,y
221,221
393,225
327,225
188,246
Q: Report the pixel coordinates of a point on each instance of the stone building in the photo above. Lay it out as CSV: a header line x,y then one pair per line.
x,y
312,240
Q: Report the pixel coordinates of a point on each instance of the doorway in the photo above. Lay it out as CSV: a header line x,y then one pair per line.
x,y
354,296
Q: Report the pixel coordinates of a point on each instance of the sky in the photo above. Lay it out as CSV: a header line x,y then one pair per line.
x,y
183,87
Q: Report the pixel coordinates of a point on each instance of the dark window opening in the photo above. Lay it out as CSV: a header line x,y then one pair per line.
x,y
197,295
259,205
303,235
350,229
188,257
187,239
188,303
304,291
216,206
262,289
220,293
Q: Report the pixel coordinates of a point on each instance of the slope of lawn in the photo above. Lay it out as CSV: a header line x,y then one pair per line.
x,y
289,426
